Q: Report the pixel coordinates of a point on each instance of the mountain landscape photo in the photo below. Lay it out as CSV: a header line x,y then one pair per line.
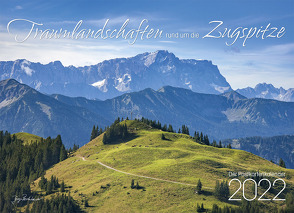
x,y
216,110
146,106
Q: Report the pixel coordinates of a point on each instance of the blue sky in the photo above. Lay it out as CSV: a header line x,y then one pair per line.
x,y
267,60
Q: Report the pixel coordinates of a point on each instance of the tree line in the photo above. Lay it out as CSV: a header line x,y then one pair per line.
x,y
59,203
21,164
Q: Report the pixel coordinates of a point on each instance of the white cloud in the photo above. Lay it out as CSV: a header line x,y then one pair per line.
x,y
273,64
70,52
18,7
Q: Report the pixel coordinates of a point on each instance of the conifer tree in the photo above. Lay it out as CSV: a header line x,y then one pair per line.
x,y
63,153
62,186
170,128
282,163
164,128
93,133
132,184
199,187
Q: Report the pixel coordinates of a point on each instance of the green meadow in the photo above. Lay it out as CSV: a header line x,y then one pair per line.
x,y
176,158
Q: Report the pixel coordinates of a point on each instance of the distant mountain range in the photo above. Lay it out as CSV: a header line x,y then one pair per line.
x,y
114,77
228,115
23,109
268,91
270,148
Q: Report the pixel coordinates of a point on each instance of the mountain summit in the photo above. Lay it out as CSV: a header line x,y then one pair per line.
x,y
117,76
268,91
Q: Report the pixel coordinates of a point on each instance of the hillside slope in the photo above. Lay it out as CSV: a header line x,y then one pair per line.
x,y
270,148
102,174
27,138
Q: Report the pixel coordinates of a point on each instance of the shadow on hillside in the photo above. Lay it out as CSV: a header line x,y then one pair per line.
x,y
130,137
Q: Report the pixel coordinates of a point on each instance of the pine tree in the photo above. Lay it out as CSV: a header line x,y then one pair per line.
x,y
105,138
96,132
162,137
63,153
202,207
93,133
199,186
43,182
100,131
198,208
215,209
86,204
49,188
137,185
62,187
170,128
217,189
282,163
132,184
164,128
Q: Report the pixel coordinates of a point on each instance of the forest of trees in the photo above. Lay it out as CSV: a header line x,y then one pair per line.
x,y
115,131
59,203
95,132
21,164
50,185
222,190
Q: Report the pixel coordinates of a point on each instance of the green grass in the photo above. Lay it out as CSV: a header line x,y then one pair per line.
x,y
177,158
27,138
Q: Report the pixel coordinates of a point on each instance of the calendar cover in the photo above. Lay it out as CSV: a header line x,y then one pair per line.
x,y
147,106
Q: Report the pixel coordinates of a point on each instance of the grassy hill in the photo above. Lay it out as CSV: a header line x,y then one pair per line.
x,y
27,138
158,162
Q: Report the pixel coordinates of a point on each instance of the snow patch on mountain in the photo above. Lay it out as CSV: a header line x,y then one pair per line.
x,y
45,108
220,88
123,84
7,102
101,85
24,66
150,59
235,114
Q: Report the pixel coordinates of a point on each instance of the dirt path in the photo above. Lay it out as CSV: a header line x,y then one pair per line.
x,y
142,176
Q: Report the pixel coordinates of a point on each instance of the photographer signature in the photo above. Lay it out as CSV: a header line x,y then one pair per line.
x,y
23,198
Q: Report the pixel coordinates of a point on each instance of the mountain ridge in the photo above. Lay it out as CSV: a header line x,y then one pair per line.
x,y
114,77
220,116
268,91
